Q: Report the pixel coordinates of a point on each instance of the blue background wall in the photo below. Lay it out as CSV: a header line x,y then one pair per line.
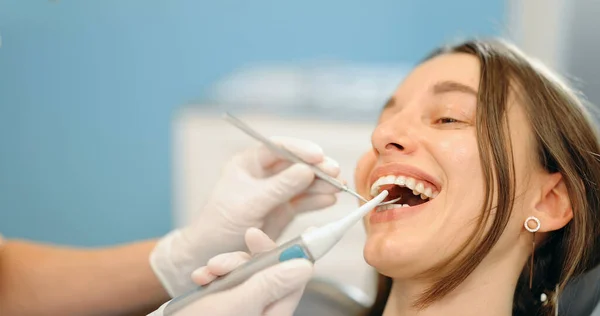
x,y
88,88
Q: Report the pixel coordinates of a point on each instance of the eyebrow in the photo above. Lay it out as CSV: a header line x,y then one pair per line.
x,y
440,88
452,86
389,103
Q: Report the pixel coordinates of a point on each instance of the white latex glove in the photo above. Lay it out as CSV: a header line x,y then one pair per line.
x,y
257,189
275,291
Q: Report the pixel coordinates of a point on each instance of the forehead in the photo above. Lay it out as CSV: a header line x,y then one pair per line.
x,y
457,67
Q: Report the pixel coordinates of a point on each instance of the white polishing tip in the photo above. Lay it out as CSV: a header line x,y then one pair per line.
x,y
320,240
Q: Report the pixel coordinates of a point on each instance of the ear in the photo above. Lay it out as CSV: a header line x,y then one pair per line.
x,y
554,206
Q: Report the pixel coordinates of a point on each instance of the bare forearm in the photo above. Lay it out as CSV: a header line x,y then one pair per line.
x,y
46,280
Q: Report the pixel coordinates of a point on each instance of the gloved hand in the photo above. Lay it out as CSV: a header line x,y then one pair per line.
x,y
257,189
274,291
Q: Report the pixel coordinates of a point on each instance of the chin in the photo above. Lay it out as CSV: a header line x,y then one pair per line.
x,y
395,257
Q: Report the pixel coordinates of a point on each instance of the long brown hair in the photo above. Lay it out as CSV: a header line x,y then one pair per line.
x,y
567,142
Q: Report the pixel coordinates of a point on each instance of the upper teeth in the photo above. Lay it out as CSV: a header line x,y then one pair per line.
x,y
418,187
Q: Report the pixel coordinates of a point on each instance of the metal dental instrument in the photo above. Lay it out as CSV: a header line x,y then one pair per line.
x,y
311,245
294,158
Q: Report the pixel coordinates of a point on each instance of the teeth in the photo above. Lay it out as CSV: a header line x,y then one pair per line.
x,y
418,188
401,181
421,191
410,183
375,187
428,192
390,206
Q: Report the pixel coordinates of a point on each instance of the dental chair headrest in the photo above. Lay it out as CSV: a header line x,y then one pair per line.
x,y
581,296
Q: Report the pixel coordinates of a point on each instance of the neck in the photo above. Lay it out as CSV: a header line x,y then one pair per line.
x,y
488,290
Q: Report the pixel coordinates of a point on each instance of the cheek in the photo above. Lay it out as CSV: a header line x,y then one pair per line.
x,y
465,191
364,166
456,151
410,247
459,160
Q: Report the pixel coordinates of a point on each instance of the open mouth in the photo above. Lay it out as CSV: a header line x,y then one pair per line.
x,y
411,191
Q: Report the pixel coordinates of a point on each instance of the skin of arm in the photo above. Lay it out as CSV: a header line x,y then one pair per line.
x,y
37,279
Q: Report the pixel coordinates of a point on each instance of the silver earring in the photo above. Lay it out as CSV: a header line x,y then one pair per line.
x,y
555,299
532,231
544,298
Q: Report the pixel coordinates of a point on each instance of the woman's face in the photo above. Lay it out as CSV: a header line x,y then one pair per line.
x,y
425,148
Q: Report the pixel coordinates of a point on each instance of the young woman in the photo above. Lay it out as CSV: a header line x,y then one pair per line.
x,y
497,163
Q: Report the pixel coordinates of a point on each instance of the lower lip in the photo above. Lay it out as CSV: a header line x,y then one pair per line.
x,y
394,214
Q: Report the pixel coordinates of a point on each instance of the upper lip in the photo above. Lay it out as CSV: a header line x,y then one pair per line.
x,y
397,169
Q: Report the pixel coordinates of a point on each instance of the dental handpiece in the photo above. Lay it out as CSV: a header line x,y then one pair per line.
x,y
311,245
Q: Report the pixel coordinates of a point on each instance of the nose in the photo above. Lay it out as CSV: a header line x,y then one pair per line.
x,y
393,137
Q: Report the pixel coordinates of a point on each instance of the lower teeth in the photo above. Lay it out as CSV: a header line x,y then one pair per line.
x,y
390,206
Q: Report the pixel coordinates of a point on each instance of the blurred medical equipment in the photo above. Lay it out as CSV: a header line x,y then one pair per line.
x,y
350,91
294,158
311,245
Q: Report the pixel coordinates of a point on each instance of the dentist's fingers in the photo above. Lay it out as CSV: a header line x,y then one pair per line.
x,y
286,305
306,150
328,165
321,187
286,185
203,276
311,228
219,265
311,202
257,241
275,283
226,262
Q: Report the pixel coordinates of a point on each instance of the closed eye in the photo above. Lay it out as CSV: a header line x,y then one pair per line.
x,y
448,120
